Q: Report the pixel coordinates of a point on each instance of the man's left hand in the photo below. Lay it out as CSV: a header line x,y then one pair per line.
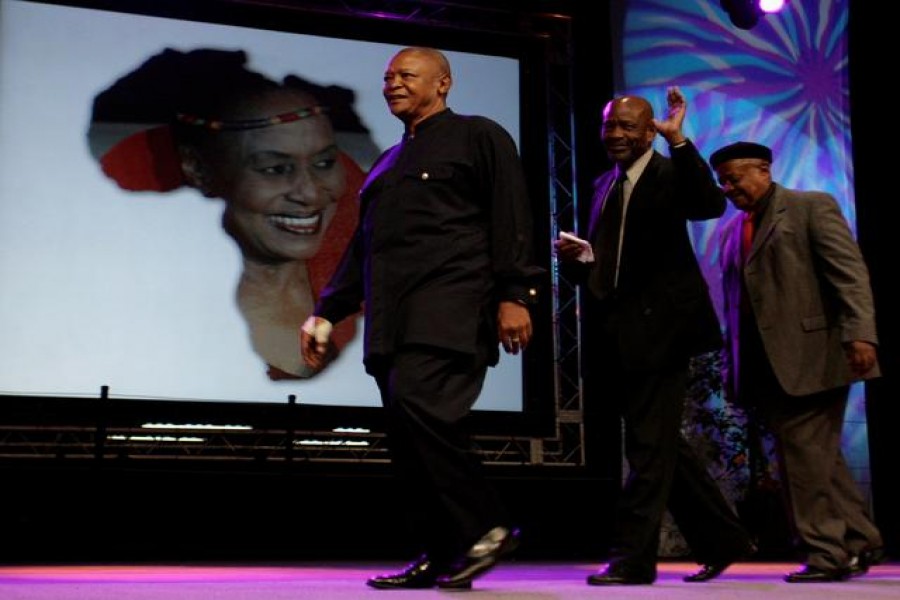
x,y
513,326
676,107
861,357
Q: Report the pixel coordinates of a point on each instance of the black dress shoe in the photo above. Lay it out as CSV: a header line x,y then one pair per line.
x,y
810,574
616,576
421,574
713,570
859,564
707,572
480,558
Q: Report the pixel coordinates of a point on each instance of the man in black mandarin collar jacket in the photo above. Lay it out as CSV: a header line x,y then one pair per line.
x,y
442,260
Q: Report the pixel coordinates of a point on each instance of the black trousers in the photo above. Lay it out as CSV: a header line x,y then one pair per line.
x,y
663,470
428,394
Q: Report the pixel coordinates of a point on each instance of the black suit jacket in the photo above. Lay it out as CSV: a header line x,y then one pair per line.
x,y
662,309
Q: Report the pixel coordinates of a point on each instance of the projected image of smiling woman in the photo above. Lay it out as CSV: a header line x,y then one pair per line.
x,y
276,163
273,158
270,150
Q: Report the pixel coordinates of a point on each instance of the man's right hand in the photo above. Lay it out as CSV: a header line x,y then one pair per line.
x,y
569,249
314,342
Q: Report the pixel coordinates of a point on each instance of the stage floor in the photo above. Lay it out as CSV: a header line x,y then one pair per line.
x,y
345,581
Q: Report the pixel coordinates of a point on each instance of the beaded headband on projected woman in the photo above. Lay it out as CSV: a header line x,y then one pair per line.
x,y
244,124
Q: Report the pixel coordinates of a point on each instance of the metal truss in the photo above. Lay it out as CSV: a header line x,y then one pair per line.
x,y
76,443
563,448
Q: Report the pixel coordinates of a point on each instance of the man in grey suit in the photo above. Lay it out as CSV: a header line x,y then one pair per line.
x,y
800,328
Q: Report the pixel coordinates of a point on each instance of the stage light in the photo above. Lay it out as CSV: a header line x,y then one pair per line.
x,y
771,6
744,14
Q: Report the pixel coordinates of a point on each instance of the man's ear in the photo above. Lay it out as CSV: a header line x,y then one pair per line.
x,y
651,131
195,171
444,84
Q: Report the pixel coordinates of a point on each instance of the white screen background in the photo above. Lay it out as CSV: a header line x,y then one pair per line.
x,y
99,286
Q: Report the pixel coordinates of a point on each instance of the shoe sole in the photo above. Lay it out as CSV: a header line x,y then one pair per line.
x,y
464,578
390,586
621,582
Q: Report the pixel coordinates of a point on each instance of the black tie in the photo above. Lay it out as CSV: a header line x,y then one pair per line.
x,y
606,241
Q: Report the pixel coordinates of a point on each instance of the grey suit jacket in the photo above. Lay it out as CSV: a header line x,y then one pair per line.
x,y
809,288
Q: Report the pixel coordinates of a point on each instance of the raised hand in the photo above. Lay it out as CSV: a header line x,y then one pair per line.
x,y
676,108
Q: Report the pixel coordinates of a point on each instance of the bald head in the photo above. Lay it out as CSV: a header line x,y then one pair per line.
x,y
416,83
627,130
431,54
637,105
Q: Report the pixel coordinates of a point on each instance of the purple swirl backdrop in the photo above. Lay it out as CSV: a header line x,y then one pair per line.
x,y
783,84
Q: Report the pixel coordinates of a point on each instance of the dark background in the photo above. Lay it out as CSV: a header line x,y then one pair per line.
x,y
252,508
873,160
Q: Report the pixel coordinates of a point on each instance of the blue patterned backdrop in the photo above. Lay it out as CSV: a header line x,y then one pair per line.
x,y
785,84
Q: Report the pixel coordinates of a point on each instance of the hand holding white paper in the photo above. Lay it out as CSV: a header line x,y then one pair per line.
x,y
587,253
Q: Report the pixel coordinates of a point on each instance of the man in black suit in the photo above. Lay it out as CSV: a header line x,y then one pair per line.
x,y
442,260
647,312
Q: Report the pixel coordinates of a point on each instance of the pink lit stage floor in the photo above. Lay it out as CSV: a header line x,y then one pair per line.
x,y
343,581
